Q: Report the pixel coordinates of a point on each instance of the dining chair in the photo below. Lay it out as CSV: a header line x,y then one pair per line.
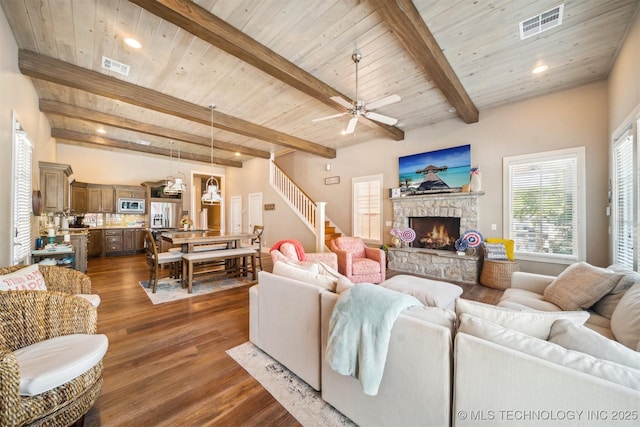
x,y
157,259
256,243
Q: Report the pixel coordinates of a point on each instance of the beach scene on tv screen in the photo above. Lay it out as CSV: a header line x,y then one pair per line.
x,y
443,170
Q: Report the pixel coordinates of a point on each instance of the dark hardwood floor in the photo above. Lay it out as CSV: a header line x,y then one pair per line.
x,y
166,364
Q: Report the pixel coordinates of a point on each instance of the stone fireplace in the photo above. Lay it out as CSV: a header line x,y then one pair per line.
x,y
438,220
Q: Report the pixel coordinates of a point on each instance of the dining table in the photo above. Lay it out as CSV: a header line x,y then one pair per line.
x,y
190,240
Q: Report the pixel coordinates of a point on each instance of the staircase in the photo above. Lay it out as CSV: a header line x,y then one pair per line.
x,y
330,233
310,212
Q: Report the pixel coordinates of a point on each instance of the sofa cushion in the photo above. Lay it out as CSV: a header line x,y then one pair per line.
x,y
431,293
608,303
625,320
26,279
580,286
305,274
522,299
534,323
48,364
550,352
579,338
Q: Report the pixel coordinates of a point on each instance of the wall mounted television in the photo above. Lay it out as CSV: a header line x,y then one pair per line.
x,y
439,171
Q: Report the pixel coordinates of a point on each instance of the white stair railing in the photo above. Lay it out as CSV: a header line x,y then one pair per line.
x,y
311,213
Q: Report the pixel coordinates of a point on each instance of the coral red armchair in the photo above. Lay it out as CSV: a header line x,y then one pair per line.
x,y
359,262
292,250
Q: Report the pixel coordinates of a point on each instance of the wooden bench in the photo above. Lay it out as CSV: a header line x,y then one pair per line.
x,y
191,259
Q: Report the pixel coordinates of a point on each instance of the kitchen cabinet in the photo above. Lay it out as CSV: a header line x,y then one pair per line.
x,y
54,186
113,241
129,237
100,199
95,246
138,243
79,197
131,192
79,242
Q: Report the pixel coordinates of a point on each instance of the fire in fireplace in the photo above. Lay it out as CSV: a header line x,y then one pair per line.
x,y
435,232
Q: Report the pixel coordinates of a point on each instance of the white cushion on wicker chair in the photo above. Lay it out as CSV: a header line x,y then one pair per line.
x,y
48,364
94,299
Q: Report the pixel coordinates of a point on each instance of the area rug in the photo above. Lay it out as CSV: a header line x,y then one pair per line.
x,y
297,397
171,289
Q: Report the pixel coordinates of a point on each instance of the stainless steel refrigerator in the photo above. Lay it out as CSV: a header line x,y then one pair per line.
x,y
165,214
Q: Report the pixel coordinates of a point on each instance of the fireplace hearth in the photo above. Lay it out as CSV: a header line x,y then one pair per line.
x,y
435,232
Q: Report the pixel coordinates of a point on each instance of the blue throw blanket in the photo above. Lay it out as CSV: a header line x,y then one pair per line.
x,y
360,329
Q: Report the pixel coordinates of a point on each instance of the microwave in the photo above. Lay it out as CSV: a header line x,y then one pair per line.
x,y
131,206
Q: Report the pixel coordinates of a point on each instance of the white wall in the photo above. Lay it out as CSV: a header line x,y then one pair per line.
x,y
17,94
570,118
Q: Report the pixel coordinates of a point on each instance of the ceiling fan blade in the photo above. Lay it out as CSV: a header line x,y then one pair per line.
x,y
342,102
351,126
380,118
333,116
382,102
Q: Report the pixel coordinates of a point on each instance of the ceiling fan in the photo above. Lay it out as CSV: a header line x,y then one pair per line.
x,y
359,107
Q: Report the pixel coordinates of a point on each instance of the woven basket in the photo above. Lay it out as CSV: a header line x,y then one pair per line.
x,y
497,274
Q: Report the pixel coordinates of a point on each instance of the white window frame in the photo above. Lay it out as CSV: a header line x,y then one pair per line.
x,y
21,194
578,153
378,179
631,129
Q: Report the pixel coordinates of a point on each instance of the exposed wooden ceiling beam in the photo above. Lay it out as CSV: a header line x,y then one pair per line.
x,y
208,27
46,68
71,111
103,142
405,21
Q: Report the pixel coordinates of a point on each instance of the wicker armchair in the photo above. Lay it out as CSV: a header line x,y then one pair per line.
x,y
29,317
59,279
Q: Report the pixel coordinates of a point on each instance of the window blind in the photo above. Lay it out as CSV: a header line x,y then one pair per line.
x,y
22,197
543,206
367,206
623,214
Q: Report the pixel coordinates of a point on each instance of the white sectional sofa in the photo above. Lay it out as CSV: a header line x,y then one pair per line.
x,y
521,363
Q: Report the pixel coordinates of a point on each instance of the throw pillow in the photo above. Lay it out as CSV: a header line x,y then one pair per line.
x,y
26,279
580,286
312,276
625,320
343,283
509,246
495,251
580,338
550,352
608,303
534,323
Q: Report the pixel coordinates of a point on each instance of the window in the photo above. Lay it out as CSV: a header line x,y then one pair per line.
x,y
624,185
22,148
545,205
367,208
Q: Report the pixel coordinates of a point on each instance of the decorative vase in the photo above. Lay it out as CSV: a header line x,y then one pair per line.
x,y
185,227
475,184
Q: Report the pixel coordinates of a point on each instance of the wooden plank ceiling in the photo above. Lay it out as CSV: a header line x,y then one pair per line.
x,y
272,66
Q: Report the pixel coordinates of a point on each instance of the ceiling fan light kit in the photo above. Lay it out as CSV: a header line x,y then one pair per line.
x,y
358,107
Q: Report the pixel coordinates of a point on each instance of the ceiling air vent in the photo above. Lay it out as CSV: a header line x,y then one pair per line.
x,y
113,65
543,22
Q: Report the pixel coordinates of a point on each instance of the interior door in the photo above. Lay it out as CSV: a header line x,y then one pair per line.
x,y
255,211
236,214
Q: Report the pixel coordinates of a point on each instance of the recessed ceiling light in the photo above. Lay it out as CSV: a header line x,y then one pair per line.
x,y
101,130
540,69
133,43
237,154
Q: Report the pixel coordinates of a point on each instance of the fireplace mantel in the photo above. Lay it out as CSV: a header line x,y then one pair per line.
x,y
432,263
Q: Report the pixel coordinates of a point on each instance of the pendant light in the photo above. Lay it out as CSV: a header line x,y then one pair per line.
x,y
175,185
212,194
168,187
